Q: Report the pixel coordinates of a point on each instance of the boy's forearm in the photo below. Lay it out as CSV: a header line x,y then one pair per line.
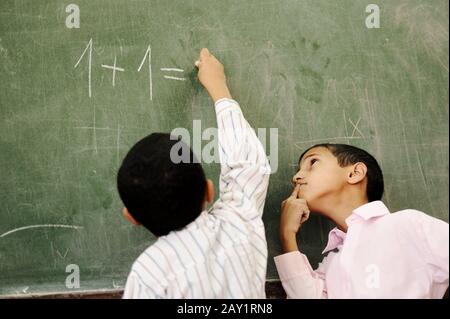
x,y
289,242
219,92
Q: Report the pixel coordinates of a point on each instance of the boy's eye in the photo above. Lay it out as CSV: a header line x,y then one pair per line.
x,y
313,161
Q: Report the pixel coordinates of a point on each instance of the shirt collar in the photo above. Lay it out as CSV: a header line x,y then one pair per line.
x,y
365,212
368,211
335,238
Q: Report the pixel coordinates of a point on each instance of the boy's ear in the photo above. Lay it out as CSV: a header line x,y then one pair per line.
x,y
128,216
209,194
357,172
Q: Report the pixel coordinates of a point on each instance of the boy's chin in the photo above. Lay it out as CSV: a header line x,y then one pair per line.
x,y
311,202
306,197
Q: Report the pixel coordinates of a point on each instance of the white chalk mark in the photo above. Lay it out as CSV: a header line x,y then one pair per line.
x,y
345,125
174,78
114,68
39,226
24,290
84,52
65,254
172,69
143,60
149,54
355,127
421,171
353,124
89,46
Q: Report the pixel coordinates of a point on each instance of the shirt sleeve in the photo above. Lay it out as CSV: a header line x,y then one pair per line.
x,y
135,288
298,278
434,234
245,170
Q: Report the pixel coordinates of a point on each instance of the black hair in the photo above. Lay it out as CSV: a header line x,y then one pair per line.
x,y
348,155
160,194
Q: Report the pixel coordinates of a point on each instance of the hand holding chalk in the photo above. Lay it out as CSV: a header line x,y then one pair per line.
x,y
212,76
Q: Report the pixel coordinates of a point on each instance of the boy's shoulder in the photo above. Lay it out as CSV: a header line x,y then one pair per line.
x,y
412,215
378,211
172,253
155,264
160,252
413,223
408,213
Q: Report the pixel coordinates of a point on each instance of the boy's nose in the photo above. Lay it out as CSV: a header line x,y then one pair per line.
x,y
297,178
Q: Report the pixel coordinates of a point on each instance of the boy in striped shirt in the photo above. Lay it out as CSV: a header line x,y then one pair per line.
x,y
220,253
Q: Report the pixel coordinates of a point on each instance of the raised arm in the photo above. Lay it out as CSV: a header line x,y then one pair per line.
x,y
245,170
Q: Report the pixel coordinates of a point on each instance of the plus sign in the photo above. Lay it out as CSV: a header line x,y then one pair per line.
x,y
114,68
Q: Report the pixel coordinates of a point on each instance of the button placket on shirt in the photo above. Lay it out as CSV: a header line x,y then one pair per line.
x,y
346,257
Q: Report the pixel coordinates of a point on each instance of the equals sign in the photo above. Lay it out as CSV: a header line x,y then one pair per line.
x,y
169,77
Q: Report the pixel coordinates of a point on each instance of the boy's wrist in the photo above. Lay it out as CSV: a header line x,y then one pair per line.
x,y
219,93
289,241
287,234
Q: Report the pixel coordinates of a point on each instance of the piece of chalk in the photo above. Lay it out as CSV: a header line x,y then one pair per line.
x,y
197,63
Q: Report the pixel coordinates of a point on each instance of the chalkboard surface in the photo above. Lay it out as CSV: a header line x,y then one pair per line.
x,y
74,100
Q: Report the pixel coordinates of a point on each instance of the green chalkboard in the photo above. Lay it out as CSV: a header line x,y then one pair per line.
x,y
74,100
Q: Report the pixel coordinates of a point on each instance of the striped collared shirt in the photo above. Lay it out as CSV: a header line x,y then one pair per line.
x,y
223,253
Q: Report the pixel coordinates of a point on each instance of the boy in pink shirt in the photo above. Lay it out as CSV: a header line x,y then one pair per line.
x,y
371,252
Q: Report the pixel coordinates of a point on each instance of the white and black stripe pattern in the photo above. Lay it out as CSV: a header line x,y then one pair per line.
x,y
223,253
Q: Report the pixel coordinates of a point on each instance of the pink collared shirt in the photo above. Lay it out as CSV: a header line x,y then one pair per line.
x,y
382,255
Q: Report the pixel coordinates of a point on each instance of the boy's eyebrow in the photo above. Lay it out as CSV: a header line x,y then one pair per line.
x,y
304,158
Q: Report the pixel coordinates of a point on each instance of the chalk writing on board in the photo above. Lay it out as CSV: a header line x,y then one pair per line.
x,y
171,73
355,127
148,55
38,226
114,68
170,77
89,46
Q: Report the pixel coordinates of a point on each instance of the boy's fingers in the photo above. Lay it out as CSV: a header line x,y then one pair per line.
x,y
204,53
295,192
305,217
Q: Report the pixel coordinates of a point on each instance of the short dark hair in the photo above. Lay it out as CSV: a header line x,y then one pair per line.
x,y
348,155
160,194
